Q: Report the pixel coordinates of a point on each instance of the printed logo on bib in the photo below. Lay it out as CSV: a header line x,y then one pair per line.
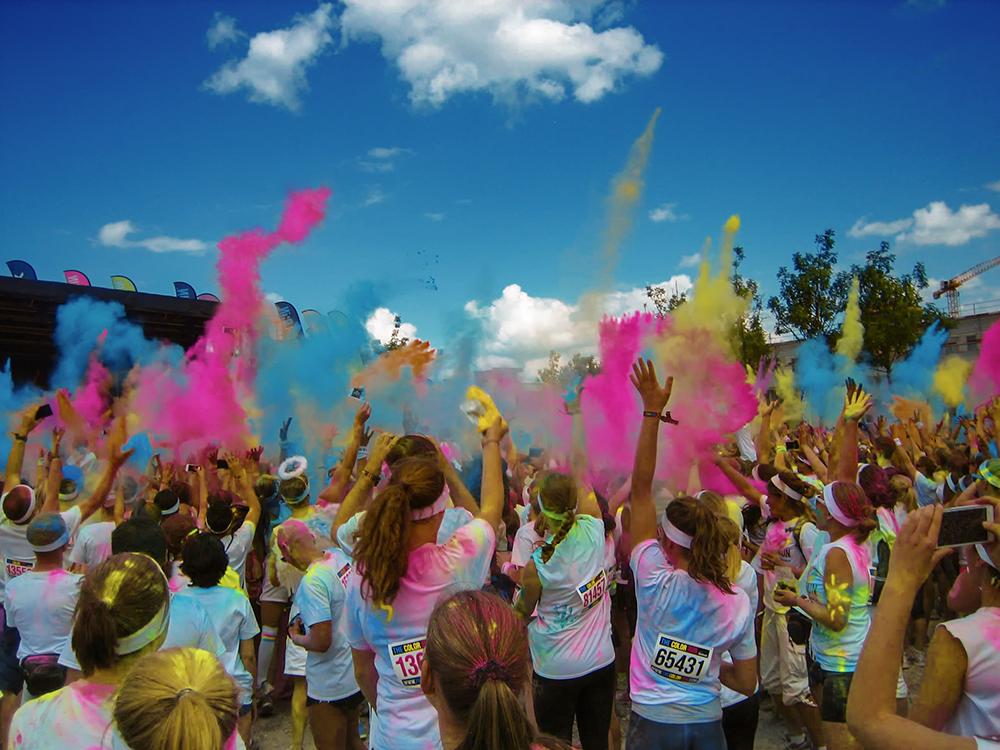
x,y
680,661
344,573
592,591
406,658
17,567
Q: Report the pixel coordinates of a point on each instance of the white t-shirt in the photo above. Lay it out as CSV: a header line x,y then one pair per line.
x,y
16,553
570,635
234,622
93,545
407,721
526,541
190,627
77,717
237,547
978,710
322,597
682,629
40,606
780,538
747,581
454,519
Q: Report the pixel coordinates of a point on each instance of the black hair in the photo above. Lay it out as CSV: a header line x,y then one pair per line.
x,y
205,560
141,535
166,499
219,514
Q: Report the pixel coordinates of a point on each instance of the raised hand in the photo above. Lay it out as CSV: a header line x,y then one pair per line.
x,y
116,439
283,432
361,417
654,396
856,405
378,452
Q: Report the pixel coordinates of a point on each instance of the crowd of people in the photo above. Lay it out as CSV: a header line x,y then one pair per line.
x,y
504,598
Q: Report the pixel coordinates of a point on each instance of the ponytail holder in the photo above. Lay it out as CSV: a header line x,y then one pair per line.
x,y
182,693
490,669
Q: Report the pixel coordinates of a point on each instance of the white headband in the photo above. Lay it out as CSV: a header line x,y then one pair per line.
x,y
144,635
51,546
861,467
172,509
981,549
31,505
776,481
674,534
831,505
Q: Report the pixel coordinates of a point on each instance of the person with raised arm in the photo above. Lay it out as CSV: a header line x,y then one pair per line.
x,y
688,612
871,706
401,573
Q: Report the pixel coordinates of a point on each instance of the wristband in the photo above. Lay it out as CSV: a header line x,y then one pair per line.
x,y
506,568
899,443
920,425
363,451
491,440
665,417
23,438
375,478
781,448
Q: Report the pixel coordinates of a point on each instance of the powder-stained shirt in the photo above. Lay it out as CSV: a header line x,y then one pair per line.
x,y
570,635
683,627
407,721
93,545
16,555
40,606
322,597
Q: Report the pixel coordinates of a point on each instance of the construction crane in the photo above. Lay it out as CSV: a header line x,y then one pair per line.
x,y
949,288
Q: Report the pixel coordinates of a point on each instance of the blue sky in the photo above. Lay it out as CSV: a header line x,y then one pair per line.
x,y
476,147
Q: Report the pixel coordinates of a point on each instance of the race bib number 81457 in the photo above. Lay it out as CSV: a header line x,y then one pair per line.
x,y
680,661
406,658
592,591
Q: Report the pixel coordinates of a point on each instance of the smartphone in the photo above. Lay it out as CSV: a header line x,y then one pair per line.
x,y
792,445
964,525
191,468
358,394
45,410
534,453
221,464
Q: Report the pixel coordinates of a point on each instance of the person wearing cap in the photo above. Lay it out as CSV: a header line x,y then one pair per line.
x,y
40,605
688,612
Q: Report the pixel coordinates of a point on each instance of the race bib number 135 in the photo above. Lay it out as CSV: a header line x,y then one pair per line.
x,y
677,660
406,658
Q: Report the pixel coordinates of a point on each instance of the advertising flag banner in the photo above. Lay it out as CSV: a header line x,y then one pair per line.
x,y
76,278
314,322
21,270
208,297
290,316
184,290
123,284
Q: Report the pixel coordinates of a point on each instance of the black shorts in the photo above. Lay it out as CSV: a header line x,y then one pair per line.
x,y
11,677
349,703
836,688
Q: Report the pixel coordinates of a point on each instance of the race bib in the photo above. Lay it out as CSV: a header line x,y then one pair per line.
x,y
17,567
680,661
344,573
592,591
406,658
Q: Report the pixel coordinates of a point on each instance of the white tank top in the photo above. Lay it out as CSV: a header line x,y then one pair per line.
x,y
978,711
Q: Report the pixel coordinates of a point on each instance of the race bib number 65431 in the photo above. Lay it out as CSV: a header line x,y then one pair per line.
x,y
406,658
680,661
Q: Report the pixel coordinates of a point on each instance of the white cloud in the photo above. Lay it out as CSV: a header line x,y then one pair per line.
x,y
380,152
435,217
690,261
667,212
222,31
116,234
994,186
375,166
375,195
274,70
936,224
512,49
864,228
523,329
380,158
382,322
273,297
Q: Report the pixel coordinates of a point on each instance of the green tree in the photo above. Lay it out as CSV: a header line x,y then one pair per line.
x,y
559,374
396,341
811,296
665,305
892,311
748,339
